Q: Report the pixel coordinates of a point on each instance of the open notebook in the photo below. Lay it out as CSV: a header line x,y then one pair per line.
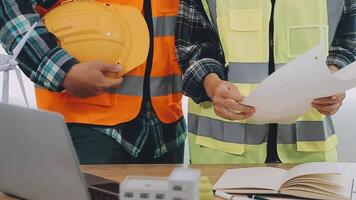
x,y
327,181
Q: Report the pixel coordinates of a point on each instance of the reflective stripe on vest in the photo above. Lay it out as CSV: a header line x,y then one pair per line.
x,y
246,23
247,72
123,104
164,26
165,73
165,86
238,133
242,133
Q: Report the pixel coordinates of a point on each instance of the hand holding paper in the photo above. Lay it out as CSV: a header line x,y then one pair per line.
x,y
226,99
289,92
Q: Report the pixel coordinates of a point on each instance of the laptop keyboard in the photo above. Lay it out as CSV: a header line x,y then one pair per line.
x,y
101,188
96,194
112,187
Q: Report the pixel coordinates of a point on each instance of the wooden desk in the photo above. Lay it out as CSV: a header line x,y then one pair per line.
x,y
119,172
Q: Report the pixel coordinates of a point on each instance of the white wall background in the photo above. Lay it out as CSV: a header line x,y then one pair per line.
x,y
344,120
345,125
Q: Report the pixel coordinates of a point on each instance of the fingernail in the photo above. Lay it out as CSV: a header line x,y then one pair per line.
x,y
333,97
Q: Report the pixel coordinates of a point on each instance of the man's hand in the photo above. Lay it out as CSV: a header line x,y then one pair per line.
x,y
87,79
225,97
329,105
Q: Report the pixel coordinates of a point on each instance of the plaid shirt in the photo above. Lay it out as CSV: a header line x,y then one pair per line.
x,y
46,64
199,50
133,135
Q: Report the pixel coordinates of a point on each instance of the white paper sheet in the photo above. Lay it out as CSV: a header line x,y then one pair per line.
x,y
289,92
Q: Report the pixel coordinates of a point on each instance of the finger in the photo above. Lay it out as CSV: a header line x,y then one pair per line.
x,y
323,98
220,111
329,100
113,83
234,93
327,107
109,68
223,91
227,114
235,106
237,116
321,111
99,89
326,104
331,109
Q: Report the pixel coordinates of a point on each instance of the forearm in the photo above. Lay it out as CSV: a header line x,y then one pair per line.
x,y
194,76
198,49
41,59
343,48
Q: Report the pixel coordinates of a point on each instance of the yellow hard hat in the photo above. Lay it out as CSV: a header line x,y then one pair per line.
x,y
90,30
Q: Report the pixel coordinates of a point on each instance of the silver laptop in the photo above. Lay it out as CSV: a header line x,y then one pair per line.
x,y
38,160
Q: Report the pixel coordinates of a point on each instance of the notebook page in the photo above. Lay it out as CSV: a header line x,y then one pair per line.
x,y
255,177
315,168
334,180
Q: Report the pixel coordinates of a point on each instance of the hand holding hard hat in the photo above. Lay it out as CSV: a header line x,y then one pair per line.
x,y
94,31
88,79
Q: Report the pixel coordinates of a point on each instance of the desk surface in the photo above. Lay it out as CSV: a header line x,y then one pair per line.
x,y
119,172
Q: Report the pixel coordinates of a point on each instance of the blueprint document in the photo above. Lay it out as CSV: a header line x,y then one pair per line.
x,y
287,93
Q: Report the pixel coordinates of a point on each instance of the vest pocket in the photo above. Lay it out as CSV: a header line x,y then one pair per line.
x,y
299,26
221,136
212,131
105,99
243,35
304,37
315,136
317,146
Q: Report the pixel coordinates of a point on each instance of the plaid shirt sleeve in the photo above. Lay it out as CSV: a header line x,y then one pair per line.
x,y
41,59
198,49
343,48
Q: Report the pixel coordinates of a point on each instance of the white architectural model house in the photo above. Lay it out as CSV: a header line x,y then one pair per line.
x,y
182,184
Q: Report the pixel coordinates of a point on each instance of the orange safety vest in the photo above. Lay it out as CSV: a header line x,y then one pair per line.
x,y
123,104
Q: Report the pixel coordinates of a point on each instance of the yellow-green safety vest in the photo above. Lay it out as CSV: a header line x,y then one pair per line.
x,y
243,28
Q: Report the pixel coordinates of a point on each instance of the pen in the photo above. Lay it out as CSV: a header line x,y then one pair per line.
x,y
229,196
252,196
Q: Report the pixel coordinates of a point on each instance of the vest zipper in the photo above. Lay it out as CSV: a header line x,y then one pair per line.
x,y
271,65
272,153
147,9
